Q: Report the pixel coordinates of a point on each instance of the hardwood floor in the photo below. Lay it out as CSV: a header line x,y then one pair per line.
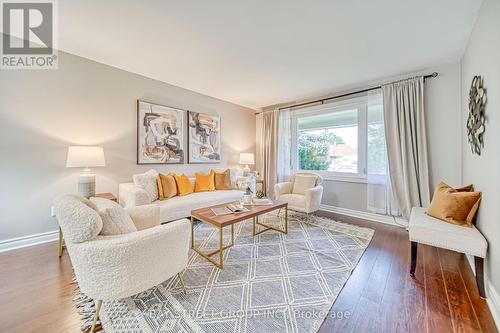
x,y
36,290
380,295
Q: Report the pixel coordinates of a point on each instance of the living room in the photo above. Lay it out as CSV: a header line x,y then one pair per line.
x,y
242,167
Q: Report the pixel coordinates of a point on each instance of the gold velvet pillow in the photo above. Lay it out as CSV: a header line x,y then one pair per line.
x,y
456,206
203,182
167,187
223,180
184,185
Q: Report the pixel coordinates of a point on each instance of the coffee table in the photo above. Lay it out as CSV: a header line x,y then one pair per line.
x,y
207,216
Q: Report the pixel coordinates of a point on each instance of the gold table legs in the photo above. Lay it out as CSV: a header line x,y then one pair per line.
x,y
268,227
220,251
183,285
220,263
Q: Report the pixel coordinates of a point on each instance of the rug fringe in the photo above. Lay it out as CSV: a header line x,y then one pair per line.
x,y
85,307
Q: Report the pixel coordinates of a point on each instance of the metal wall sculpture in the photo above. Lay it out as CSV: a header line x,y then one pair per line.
x,y
476,119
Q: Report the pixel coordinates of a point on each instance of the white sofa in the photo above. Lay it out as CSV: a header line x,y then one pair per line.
x,y
130,195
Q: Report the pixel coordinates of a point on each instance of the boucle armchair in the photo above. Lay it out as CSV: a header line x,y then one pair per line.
x,y
119,266
303,192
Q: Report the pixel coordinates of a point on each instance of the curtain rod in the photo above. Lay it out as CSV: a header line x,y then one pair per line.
x,y
323,100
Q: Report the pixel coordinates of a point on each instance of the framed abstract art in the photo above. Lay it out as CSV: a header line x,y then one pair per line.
x,y
204,143
160,134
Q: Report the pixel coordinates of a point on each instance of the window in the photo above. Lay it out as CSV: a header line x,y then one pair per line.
x,y
329,142
332,139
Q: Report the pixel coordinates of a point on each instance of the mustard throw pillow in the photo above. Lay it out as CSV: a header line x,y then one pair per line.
x,y
167,187
184,185
223,180
456,206
203,182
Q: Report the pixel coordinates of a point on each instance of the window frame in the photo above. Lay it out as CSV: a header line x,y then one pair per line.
x,y
358,103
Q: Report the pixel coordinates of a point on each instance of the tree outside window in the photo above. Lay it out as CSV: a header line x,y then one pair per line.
x,y
314,149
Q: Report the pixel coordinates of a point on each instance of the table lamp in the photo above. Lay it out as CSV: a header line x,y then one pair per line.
x,y
85,157
247,158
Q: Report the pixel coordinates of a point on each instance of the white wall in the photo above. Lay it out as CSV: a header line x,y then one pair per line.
x,y
482,57
443,124
84,102
442,105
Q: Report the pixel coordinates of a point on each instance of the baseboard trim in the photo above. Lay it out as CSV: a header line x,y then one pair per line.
x,y
492,297
364,215
25,241
493,300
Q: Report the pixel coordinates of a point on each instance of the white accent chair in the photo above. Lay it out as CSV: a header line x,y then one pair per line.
x,y
425,229
303,192
119,266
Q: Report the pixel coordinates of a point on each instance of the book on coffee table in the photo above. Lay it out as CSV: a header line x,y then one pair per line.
x,y
219,211
259,202
229,209
235,208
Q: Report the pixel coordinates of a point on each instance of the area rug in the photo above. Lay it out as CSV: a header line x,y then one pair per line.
x,y
270,283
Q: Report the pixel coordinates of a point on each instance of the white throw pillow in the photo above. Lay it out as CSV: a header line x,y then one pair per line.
x,y
302,183
147,181
234,173
115,219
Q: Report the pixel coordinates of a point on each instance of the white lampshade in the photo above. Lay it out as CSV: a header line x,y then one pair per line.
x,y
247,158
85,157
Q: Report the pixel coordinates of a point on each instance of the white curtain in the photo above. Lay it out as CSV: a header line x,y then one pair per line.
x,y
269,142
380,197
406,142
284,170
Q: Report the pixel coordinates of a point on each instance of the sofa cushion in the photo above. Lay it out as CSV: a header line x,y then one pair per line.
x,y
115,219
181,206
456,206
204,182
184,185
77,217
428,230
303,182
167,187
147,181
223,180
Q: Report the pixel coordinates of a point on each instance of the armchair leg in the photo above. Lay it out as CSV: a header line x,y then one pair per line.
x,y
181,279
479,265
60,242
96,315
413,258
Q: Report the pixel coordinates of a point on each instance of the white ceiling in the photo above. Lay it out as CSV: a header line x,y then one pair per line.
x,y
260,52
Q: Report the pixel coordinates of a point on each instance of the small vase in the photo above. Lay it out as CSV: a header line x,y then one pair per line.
x,y
247,198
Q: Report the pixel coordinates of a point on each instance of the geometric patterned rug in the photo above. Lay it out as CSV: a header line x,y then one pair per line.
x,y
270,283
